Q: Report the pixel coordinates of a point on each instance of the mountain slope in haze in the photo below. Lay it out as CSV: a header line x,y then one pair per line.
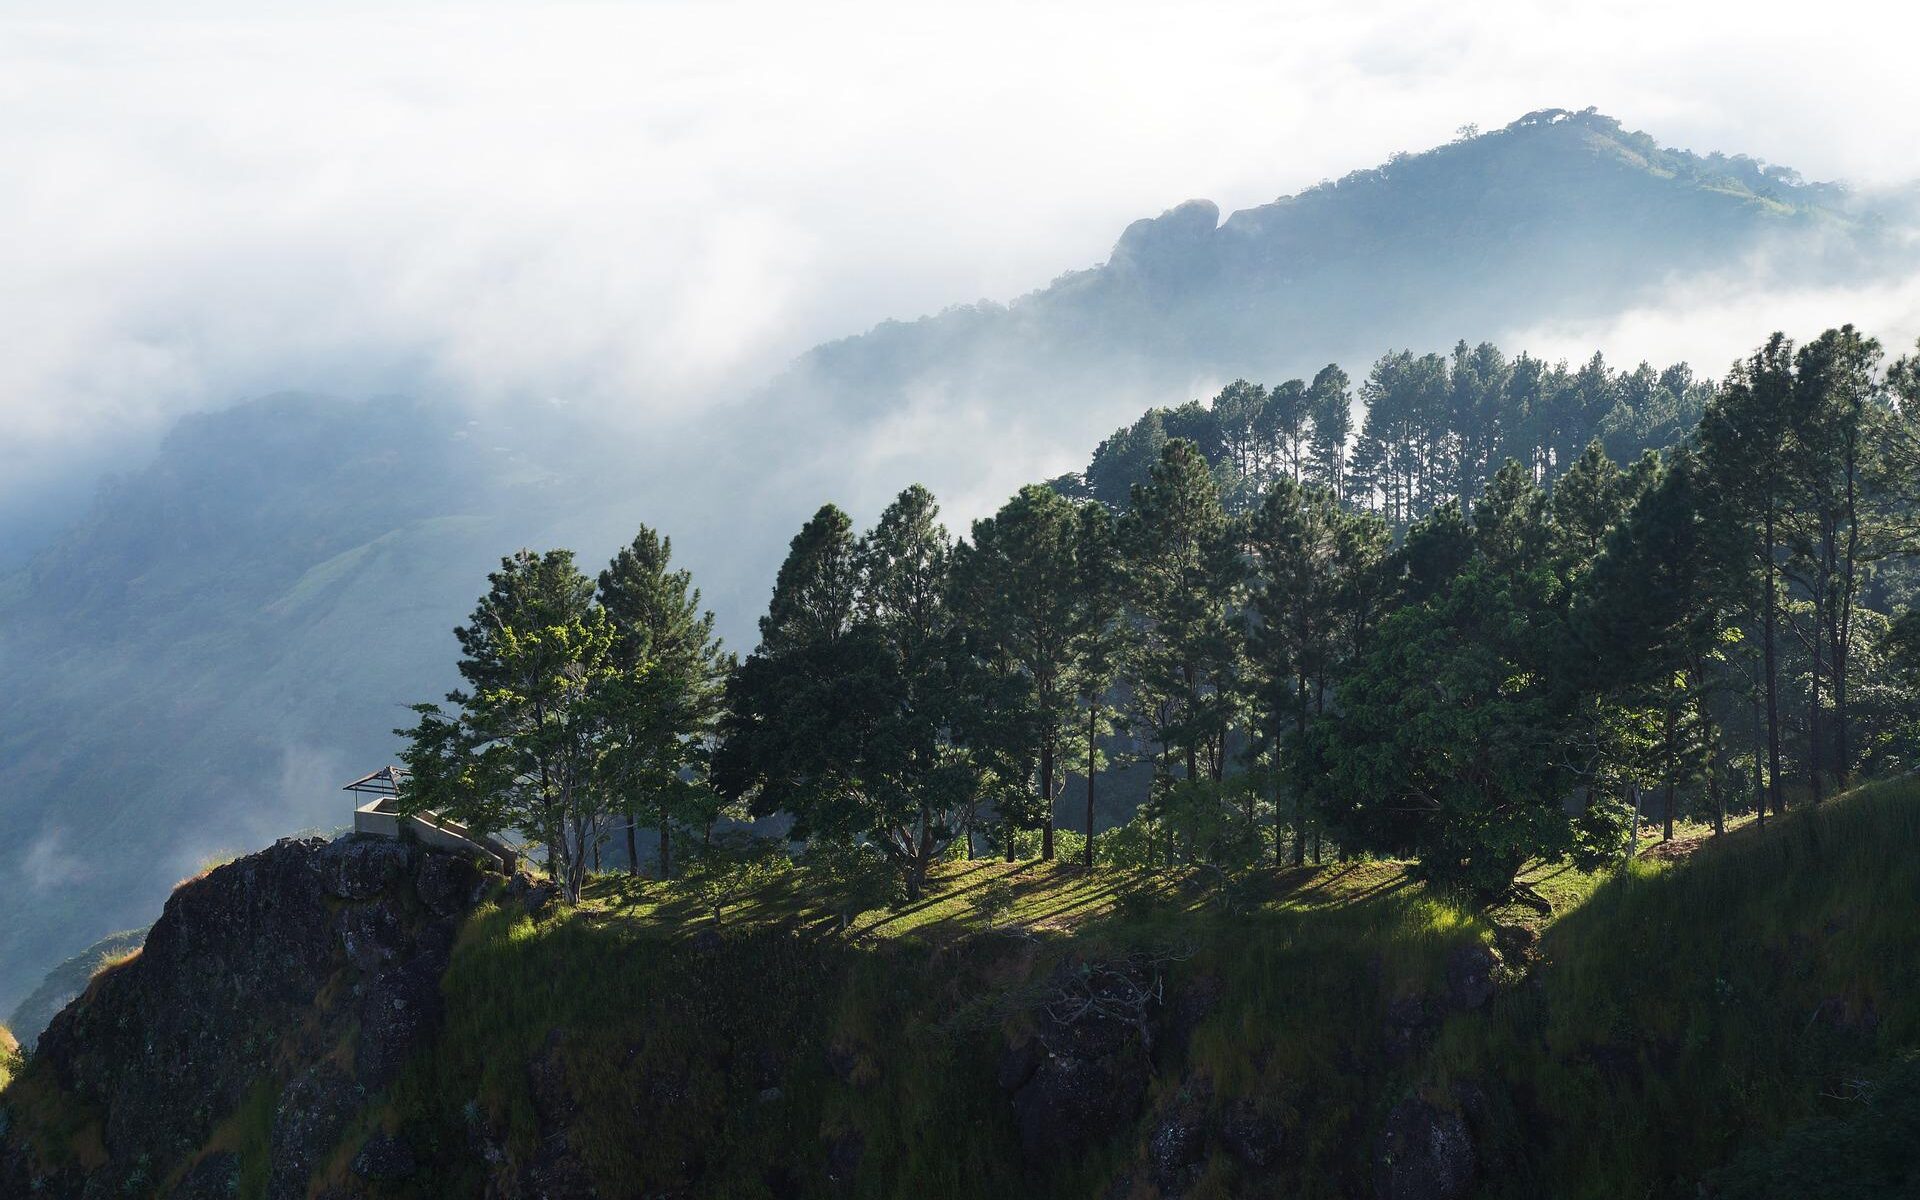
x,y
1559,214
230,633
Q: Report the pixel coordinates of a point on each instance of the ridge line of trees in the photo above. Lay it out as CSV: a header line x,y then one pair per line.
x,y
1480,631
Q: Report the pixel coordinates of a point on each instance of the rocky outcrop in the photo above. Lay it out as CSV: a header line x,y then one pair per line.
x,y
1084,1073
311,968
1426,1152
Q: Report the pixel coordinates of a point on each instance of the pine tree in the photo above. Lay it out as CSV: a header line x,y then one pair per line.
x,y
661,631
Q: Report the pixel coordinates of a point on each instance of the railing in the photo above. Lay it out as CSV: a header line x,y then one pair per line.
x,y
381,818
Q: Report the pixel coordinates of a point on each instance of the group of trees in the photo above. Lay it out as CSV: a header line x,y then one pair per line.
x,y
1468,635
1436,428
586,706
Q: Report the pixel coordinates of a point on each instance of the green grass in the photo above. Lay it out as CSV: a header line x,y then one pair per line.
x,y
1696,1012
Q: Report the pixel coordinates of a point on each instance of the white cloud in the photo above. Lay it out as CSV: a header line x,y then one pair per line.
x,y
48,865
644,206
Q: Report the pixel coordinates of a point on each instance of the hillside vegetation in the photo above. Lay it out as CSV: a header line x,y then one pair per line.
x,y
1742,1020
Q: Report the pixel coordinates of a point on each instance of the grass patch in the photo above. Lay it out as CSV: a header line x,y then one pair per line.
x,y
1696,1011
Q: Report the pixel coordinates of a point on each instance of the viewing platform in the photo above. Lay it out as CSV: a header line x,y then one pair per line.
x,y
380,816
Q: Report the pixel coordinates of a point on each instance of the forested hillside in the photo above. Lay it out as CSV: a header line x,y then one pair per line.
x,y
233,630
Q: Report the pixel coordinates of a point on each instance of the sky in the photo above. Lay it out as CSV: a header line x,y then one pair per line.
x,y
649,207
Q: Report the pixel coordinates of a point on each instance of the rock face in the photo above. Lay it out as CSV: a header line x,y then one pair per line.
x,y
282,957
1084,1074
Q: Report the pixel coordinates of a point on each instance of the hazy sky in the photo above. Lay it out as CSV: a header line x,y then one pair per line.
x,y
643,205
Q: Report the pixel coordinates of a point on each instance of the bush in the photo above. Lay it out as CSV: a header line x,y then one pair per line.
x,y
732,865
854,878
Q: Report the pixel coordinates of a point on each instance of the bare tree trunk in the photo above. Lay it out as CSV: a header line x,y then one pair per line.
x,y
1773,694
1815,647
666,844
1667,732
1046,799
1093,717
633,849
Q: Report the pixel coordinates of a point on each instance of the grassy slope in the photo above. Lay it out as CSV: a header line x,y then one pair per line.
x,y
1687,1014
1754,1005
1695,1014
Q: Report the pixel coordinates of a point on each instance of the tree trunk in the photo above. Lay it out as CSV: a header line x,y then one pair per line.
x,y
1093,716
1841,615
1773,691
1667,732
666,844
633,849
1046,799
1815,648
1279,842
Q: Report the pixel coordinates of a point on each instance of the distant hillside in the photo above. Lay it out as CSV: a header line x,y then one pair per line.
x,y
1559,214
66,981
196,663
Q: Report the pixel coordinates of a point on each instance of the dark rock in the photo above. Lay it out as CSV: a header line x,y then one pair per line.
x,y
1250,1135
1176,1147
1408,1026
307,1123
1193,1004
547,1079
215,1177
360,868
532,895
167,1045
1514,942
557,1173
844,1061
844,1153
1093,1077
371,935
1849,1015
1470,976
401,1010
448,884
255,969
1018,1062
1072,1102
385,1158
1425,1153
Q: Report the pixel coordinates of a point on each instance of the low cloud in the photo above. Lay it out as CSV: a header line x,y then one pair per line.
x,y
644,210
47,865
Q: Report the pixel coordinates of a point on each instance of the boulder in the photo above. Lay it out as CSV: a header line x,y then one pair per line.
x,y
844,1152
1251,1136
1425,1153
401,1009
385,1158
360,868
1177,1144
215,1177
448,884
307,1123
1470,981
